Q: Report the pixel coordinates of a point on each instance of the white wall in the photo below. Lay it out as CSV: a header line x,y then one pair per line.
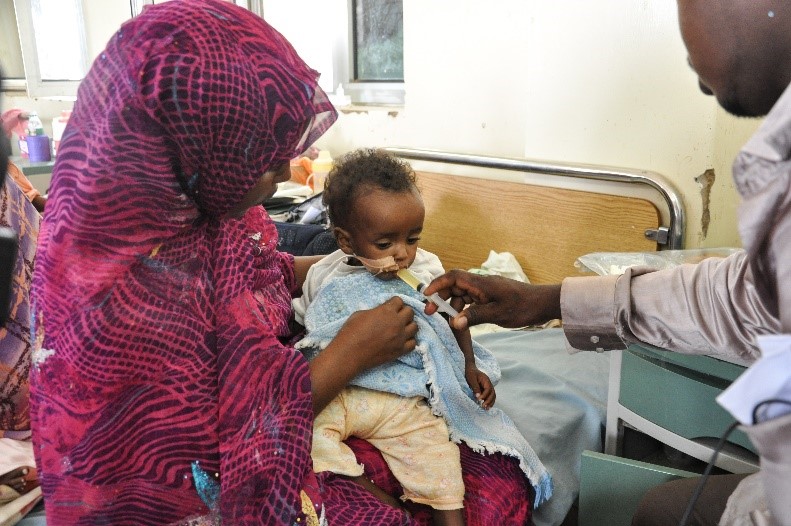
x,y
602,82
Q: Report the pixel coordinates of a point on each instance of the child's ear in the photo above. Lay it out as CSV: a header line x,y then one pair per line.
x,y
344,240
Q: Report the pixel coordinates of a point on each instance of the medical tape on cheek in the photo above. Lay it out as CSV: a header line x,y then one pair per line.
x,y
378,266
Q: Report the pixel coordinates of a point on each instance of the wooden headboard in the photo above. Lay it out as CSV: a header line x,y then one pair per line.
x,y
546,229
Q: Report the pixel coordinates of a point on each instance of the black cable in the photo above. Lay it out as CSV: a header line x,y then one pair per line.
x,y
699,489
765,403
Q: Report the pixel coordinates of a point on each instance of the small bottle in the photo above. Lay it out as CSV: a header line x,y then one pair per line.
x,y
38,149
321,166
34,124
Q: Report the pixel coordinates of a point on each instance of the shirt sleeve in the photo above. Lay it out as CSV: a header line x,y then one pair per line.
x,y
300,304
711,308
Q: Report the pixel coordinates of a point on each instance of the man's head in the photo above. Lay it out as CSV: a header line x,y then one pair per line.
x,y
740,49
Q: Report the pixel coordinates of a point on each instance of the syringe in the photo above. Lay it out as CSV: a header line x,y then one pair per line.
x,y
412,280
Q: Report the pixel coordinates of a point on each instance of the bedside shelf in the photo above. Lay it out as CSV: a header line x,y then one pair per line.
x,y
671,397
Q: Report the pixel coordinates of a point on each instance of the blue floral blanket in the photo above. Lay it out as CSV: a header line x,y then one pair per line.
x,y
434,370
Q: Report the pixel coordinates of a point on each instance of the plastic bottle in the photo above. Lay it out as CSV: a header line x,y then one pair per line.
x,y
37,142
321,166
34,124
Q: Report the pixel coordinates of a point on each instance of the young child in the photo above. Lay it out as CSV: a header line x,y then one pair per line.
x,y
410,409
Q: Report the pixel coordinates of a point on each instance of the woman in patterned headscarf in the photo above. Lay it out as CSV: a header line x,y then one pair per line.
x,y
163,386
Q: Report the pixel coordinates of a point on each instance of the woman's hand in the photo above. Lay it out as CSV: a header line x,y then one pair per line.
x,y
367,339
495,299
378,335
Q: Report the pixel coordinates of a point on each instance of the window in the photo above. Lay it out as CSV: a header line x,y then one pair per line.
x,y
356,45
10,51
137,5
54,48
56,42
378,44
58,39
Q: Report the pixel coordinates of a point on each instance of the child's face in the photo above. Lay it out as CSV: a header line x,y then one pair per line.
x,y
384,223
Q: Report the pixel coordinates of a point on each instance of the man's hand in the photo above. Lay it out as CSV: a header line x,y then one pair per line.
x,y
495,299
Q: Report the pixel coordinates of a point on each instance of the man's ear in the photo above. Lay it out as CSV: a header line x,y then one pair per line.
x,y
344,240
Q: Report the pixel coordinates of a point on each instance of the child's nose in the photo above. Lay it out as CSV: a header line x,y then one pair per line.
x,y
401,252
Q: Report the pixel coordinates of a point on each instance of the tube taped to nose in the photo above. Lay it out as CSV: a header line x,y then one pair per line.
x,y
378,266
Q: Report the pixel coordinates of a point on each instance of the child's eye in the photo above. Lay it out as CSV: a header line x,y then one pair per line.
x,y
413,240
382,245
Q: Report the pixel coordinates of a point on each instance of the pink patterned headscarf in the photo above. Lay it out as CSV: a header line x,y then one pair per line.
x,y
159,362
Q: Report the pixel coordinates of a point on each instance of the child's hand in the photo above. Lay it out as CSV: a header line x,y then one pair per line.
x,y
21,479
481,386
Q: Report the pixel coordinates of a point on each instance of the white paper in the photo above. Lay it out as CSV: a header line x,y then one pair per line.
x,y
504,264
292,189
768,378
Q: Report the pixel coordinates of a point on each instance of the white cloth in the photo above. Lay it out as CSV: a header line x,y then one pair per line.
x,y
15,454
766,379
745,501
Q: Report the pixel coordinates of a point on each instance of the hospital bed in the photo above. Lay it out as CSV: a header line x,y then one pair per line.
x,y
547,215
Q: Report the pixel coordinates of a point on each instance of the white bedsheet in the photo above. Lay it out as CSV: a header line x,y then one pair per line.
x,y
557,400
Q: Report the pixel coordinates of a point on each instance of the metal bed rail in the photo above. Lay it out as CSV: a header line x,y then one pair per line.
x,y
670,236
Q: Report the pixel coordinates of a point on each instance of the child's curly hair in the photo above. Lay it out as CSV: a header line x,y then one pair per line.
x,y
359,170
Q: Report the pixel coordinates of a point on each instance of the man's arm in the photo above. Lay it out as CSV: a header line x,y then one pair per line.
x,y
710,308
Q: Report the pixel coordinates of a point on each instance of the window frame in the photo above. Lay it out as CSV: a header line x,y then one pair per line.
x,y
346,90
36,85
351,92
384,93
